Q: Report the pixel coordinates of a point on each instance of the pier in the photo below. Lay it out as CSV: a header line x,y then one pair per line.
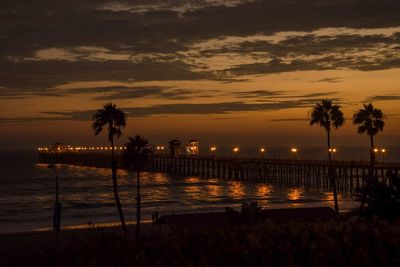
x,y
351,175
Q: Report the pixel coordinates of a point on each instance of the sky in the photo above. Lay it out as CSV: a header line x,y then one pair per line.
x,y
226,72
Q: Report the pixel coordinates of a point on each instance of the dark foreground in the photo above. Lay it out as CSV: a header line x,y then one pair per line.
x,y
254,243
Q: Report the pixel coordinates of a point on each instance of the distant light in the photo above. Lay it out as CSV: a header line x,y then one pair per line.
x,y
262,150
383,150
213,148
294,150
333,150
376,150
236,149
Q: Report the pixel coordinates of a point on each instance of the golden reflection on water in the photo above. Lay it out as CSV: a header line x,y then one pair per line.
x,y
263,190
328,197
192,190
192,180
159,178
236,189
295,194
214,190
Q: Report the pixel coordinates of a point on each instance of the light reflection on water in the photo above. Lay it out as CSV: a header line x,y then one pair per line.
x,y
27,195
236,189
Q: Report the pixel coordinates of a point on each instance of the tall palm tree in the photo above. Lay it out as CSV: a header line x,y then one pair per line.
x,y
328,116
136,156
113,118
370,121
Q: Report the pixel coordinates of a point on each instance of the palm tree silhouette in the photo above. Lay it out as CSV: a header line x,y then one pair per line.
x,y
328,116
136,156
113,118
370,121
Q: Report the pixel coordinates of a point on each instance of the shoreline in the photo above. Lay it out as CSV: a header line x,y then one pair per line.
x,y
109,224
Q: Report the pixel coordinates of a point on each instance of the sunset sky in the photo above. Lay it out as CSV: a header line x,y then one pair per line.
x,y
222,71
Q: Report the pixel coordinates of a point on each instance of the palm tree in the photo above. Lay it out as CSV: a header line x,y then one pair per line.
x,y
113,118
136,156
328,116
370,121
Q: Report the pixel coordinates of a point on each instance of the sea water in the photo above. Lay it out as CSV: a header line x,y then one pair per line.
x,y
27,193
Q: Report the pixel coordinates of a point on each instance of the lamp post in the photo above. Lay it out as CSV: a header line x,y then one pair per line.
x,y
383,150
235,150
294,151
213,149
262,152
333,151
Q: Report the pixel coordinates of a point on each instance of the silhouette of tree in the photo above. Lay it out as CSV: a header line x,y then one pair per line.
x,y
370,121
136,156
328,116
113,118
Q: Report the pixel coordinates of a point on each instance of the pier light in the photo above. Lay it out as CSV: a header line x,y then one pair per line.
x,y
332,150
158,147
236,149
383,151
262,151
124,147
294,150
376,150
213,149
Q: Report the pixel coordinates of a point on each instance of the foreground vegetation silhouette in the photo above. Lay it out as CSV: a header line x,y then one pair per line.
x,y
326,243
114,119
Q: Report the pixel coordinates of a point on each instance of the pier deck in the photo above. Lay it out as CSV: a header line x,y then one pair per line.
x,y
351,175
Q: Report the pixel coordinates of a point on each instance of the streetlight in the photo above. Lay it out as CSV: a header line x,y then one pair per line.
x,y
235,150
213,149
294,151
262,152
333,150
383,150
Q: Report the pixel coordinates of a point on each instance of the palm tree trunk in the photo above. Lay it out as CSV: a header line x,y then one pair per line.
x,y
115,188
332,173
138,198
372,158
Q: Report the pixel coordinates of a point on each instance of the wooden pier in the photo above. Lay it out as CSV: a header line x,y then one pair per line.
x,y
351,175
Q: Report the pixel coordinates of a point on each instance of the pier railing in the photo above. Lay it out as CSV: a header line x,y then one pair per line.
x,y
350,175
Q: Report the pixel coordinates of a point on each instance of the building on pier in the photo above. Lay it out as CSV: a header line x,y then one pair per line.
x,y
192,148
175,148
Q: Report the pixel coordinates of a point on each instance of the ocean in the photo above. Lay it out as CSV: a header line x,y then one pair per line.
x,y
27,192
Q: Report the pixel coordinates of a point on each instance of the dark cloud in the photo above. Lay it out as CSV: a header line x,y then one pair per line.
x,y
289,120
384,98
258,94
162,33
176,109
159,92
328,80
